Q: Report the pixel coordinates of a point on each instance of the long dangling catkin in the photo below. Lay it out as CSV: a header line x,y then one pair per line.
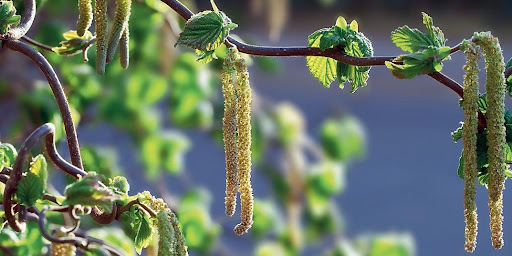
x,y
495,86
469,138
229,130
84,16
124,47
243,115
101,23
121,17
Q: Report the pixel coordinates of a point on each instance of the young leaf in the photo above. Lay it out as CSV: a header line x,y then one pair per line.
x,y
73,43
32,186
89,191
7,155
322,68
410,40
8,16
435,34
140,223
509,78
206,30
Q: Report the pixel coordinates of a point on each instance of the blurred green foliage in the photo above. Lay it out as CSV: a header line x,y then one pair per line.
x,y
163,94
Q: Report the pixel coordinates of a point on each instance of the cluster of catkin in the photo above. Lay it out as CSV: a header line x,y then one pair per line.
x,y
62,249
106,43
237,137
496,136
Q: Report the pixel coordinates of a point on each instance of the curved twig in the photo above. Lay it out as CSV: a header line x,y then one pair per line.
x,y
36,43
26,20
58,92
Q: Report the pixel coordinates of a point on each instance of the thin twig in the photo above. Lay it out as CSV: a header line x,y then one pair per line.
x,y
36,43
58,92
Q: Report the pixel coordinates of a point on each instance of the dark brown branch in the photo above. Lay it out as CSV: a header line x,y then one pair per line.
x,y
78,241
58,92
11,185
36,43
26,20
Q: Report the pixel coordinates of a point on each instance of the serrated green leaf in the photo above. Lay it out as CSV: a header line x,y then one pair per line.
x,y
435,34
8,155
138,220
410,40
322,68
89,191
32,186
457,134
206,30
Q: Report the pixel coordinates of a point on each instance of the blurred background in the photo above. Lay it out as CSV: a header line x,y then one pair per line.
x,y
373,173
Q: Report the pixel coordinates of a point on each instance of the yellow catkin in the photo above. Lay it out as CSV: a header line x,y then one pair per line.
x,y
62,249
243,115
124,47
101,23
121,17
495,86
469,140
84,16
229,130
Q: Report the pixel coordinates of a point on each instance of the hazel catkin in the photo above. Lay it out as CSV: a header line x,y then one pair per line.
x,y
84,16
495,86
101,23
121,17
469,142
243,115
124,47
229,129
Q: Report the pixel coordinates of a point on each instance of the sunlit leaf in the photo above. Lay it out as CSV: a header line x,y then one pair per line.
x,y
31,187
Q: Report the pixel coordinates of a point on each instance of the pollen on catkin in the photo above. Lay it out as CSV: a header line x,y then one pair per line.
x,y
121,17
243,115
62,249
495,86
101,23
84,16
124,47
229,129
469,141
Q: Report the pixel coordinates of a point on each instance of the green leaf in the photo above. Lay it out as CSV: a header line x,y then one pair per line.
x,y
8,16
457,134
391,245
119,185
509,78
32,186
435,34
343,138
410,40
89,191
73,43
414,64
8,155
322,68
141,225
206,30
